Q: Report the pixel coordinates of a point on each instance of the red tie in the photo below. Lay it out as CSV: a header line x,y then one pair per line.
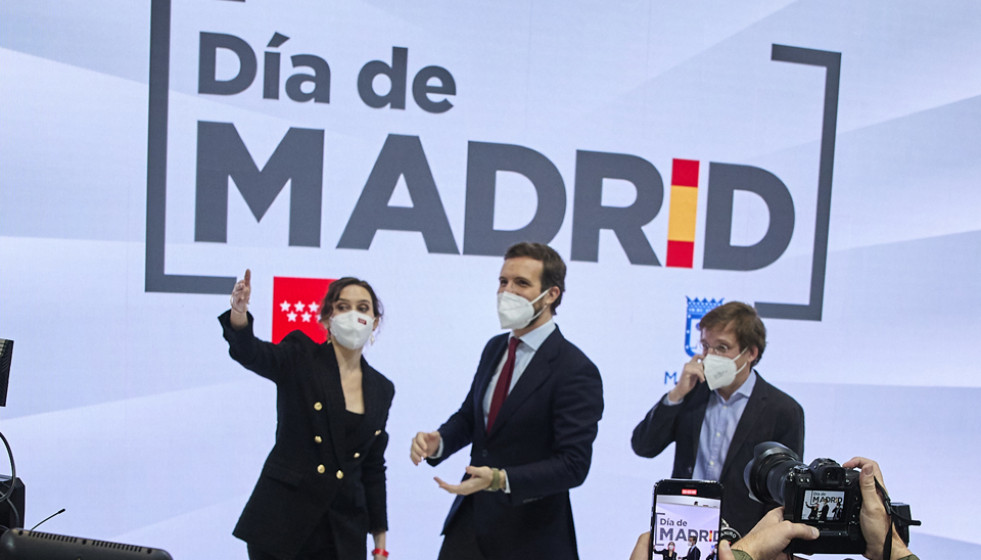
x,y
503,383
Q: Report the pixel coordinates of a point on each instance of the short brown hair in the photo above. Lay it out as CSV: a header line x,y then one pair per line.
x,y
744,322
334,294
553,267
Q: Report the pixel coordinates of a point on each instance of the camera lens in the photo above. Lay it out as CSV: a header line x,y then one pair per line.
x,y
765,474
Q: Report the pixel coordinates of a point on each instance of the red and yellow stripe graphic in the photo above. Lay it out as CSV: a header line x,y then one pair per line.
x,y
681,216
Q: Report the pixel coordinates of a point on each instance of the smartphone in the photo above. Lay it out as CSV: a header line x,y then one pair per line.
x,y
686,519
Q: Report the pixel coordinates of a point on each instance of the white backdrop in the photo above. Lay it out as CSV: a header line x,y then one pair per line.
x,y
125,409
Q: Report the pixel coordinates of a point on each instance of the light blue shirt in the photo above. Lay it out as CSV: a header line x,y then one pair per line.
x,y
721,419
530,343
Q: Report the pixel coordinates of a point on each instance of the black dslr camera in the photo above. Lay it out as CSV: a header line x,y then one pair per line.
x,y
823,494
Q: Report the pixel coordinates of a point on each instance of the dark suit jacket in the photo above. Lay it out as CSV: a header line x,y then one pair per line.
x,y
314,469
770,415
543,437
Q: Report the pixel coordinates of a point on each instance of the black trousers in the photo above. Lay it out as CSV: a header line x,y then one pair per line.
x,y
460,541
320,546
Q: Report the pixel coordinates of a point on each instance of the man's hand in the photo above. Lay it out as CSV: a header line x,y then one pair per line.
x,y
480,479
642,548
725,551
770,537
424,445
873,519
692,374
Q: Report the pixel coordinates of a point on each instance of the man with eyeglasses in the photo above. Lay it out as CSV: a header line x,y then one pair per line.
x,y
720,409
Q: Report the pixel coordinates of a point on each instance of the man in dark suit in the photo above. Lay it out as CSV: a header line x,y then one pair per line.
x,y
693,552
530,417
715,431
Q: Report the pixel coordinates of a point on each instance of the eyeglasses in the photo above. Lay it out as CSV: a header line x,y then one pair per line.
x,y
718,349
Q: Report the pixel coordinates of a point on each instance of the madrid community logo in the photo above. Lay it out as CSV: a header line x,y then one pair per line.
x,y
296,306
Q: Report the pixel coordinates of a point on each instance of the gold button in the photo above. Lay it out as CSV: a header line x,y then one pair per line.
x,y
317,406
339,475
321,469
356,454
317,439
377,432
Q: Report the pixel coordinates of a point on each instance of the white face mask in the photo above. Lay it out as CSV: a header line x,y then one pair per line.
x,y
515,312
352,329
720,370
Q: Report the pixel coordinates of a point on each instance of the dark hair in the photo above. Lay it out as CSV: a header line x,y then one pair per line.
x,y
334,294
553,267
744,322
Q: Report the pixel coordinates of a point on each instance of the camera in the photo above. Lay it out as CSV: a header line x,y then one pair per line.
x,y
823,494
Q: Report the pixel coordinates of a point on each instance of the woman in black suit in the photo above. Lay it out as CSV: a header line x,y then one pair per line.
x,y
322,487
668,553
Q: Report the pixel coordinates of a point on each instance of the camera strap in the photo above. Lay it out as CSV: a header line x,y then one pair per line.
x,y
887,503
895,517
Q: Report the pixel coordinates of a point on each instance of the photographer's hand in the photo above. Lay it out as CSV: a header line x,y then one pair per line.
x,y
770,537
642,548
875,523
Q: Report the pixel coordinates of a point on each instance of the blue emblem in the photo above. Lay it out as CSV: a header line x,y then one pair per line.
x,y
697,308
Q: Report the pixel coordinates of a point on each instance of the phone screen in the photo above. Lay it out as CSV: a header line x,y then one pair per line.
x,y
685,520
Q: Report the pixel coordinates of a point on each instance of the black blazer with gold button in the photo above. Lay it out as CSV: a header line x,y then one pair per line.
x,y
314,469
